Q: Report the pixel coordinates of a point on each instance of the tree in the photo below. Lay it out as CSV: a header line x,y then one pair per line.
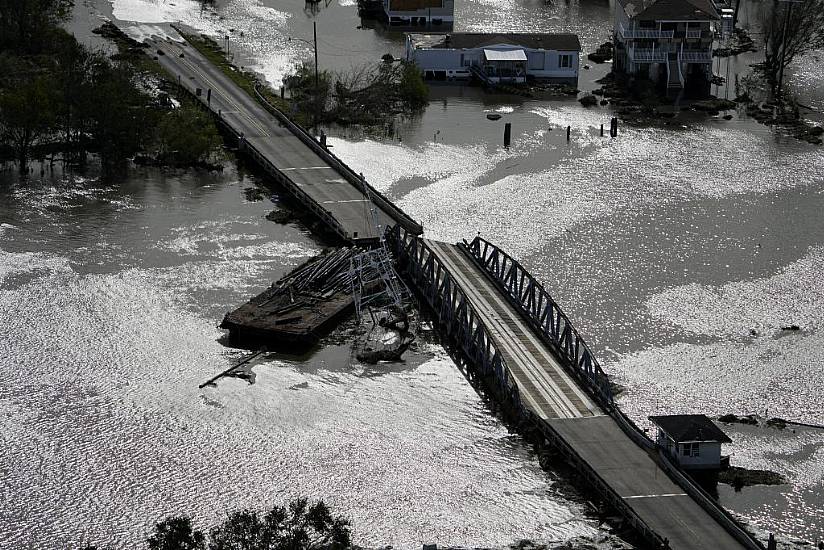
x,y
176,533
26,25
119,120
187,135
800,24
72,72
412,87
300,526
26,115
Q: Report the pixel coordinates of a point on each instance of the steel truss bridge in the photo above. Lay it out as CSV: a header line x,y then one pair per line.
x,y
506,327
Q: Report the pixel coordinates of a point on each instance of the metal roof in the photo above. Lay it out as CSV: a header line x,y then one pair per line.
x,y
670,10
504,55
470,40
690,427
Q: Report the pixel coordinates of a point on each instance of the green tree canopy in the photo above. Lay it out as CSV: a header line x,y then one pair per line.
x,y
176,533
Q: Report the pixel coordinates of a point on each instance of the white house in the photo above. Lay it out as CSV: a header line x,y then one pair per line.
x,y
667,41
691,440
513,58
420,13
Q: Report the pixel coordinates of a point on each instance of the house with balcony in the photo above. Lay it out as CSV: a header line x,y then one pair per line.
x,y
496,58
668,42
433,14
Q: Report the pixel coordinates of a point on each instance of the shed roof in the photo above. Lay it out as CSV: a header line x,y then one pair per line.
x,y
670,10
690,427
467,40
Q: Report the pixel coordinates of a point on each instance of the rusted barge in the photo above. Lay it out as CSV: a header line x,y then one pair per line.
x,y
298,309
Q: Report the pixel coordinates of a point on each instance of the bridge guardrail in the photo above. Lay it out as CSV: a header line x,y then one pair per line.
x,y
296,190
452,307
609,494
355,179
495,261
545,314
709,504
273,170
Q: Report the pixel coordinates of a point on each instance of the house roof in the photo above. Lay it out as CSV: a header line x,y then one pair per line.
x,y
670,10
468,40
690,427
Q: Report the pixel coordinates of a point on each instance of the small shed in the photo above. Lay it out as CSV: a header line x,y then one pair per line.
x,y
691,440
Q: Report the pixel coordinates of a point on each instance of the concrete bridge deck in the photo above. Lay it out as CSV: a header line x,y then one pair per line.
x,y
546,386
576,421
317,176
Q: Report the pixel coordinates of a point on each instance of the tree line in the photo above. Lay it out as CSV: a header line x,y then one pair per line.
x,y
297,526
57,97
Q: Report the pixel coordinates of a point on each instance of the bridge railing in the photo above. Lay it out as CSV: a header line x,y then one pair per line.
x,y
709,504
454,311
353,178
529,295
526,293
325,215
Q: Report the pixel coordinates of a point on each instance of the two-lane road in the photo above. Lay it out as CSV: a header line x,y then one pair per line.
x,y
261,130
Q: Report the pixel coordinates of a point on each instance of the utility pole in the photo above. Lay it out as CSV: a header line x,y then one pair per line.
x,y
787,15
317,81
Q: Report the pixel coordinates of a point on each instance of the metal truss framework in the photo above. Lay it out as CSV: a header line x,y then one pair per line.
x,y
545,315
453,309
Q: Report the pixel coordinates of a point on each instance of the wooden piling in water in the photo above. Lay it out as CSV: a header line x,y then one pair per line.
x,y
507,134
569,131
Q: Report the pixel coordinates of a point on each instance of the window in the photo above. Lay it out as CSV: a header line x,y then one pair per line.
x,y
565,61
690,449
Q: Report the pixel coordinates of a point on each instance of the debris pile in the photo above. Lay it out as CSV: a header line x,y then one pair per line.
x,y
299,308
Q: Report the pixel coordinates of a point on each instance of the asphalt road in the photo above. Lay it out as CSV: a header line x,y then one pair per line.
x,y
556,399
547,388
311,172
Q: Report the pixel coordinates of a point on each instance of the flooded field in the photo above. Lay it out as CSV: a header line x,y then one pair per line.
x,y
680,250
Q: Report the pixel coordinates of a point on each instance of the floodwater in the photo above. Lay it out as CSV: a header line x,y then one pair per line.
x,y
667,246
110,297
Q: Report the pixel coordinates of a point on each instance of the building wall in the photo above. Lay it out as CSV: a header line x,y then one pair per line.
x,y
404,9
542,64
626,62
709,456
709,453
